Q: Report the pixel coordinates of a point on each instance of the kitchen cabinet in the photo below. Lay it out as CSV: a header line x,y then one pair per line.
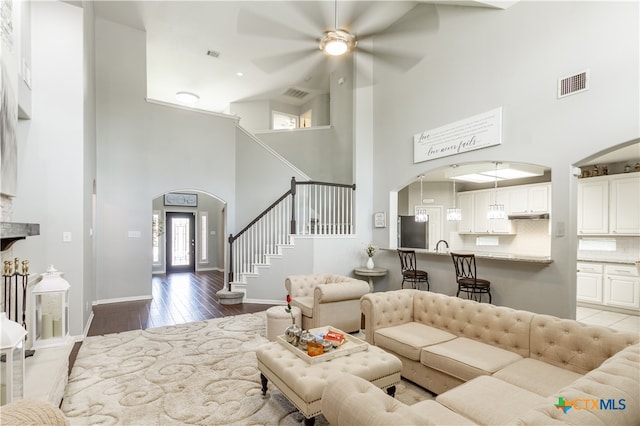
x,y
593,206
465,203
609,205
621,286
589,282
530,199
624,204
474,206
611,284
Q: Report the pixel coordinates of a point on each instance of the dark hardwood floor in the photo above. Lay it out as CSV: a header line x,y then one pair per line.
x,y
177,299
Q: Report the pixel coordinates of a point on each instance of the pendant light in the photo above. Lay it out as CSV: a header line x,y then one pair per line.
x,y
496,211
454,213
420,210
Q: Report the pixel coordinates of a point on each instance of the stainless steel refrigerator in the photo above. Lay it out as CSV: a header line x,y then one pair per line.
x,y
412,234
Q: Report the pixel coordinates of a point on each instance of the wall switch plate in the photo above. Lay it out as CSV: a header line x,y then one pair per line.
x,y
559,229
66,237
134,234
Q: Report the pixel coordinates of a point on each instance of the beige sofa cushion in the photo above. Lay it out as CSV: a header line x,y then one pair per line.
x,y
498,326
574,346
409,339
305,304
439,415
466,359
489,401
537,376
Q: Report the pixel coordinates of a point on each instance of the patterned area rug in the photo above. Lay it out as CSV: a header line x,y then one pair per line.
x,y
196,373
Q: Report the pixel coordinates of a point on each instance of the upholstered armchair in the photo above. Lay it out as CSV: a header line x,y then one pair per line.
x,y
327,299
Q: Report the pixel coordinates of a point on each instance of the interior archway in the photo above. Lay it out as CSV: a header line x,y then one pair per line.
x,y
209,218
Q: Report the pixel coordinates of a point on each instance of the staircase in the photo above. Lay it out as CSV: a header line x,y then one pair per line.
x,y
315,209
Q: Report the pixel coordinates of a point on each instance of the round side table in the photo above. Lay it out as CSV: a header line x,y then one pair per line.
x,y
370,274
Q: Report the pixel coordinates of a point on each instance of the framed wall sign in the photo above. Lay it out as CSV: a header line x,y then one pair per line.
x,y
178,199
380,220
480,131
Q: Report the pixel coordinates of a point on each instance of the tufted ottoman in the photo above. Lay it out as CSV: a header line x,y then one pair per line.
x,y
302,383
278,320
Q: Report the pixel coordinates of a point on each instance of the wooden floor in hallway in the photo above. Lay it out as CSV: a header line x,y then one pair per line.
x,y
178,298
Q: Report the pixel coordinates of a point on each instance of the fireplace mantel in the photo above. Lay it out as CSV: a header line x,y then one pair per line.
x,y
10,232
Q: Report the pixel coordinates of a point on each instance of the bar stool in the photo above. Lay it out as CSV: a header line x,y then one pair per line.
x,y
467,279
410,272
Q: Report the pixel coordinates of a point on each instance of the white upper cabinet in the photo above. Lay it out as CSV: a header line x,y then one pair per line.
x,y
474,206
593,206
609,205
530,199
465,203
624,207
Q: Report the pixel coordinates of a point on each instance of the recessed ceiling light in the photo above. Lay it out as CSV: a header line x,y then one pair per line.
x,y
187,97
239,73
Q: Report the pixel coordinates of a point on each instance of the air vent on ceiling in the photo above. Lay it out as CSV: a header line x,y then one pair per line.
x,y
295,93
213,53
573,84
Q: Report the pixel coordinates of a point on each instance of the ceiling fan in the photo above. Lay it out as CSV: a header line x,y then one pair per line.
x,y
336,41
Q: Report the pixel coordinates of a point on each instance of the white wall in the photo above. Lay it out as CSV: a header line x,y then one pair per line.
x,y
479,59
51,153
145,150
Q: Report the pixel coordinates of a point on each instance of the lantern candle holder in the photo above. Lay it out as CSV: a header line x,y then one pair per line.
x,y
12,360
51,310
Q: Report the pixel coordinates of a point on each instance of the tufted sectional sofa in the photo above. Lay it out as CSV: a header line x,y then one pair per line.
x,y
493,365
327,299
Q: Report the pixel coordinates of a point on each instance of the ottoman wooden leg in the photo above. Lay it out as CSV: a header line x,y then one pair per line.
x,y
264,381
391,391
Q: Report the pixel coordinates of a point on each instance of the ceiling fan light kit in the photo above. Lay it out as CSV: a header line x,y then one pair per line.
x,y
337,42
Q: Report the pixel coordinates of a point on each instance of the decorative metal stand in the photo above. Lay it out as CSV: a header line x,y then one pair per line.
x,y
13,282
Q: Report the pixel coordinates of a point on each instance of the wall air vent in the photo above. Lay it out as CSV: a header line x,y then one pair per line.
x,y
573,84
295,93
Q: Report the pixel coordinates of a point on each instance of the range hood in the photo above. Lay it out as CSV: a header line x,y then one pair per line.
x,y
528,216
10,232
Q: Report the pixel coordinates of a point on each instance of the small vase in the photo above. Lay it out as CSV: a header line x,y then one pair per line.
x,y
292,333
370,264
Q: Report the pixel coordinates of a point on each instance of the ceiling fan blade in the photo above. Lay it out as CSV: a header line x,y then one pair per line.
x,y
393,58
318,17
271,64
419,21
250,23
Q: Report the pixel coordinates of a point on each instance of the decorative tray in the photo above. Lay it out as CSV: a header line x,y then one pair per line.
x,y
350,345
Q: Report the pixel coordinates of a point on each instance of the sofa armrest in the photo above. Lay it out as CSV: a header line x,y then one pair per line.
x,y
31,412
386,309
351,400
335,292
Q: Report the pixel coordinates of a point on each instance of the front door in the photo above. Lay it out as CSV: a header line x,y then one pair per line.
x,y
181,242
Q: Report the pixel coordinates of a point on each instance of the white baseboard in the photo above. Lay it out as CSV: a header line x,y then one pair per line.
x,y
264,301
86,329
122,299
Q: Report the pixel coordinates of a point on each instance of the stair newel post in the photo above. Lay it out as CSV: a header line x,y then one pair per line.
x,y
293,206
230,260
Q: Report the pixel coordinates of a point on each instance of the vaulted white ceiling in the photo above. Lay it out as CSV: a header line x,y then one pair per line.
x,y
250,37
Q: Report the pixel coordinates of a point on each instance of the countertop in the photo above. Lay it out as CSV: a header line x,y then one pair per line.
x,y
492,256
616,261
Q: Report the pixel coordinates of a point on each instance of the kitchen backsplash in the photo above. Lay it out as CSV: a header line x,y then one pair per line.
x,y
532,238
627,249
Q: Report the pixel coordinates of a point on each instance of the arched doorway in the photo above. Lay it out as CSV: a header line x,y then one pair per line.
x,y
188,228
